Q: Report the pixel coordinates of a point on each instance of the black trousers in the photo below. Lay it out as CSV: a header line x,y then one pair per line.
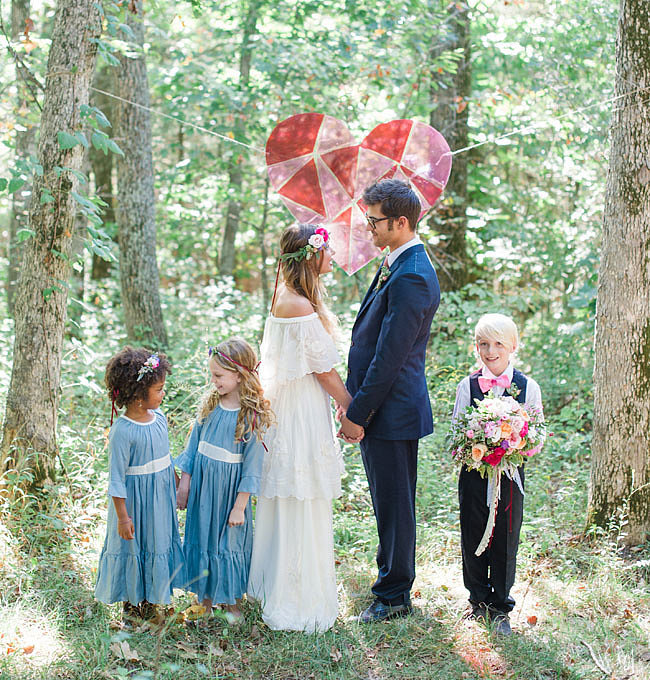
x,y
490,576
391,468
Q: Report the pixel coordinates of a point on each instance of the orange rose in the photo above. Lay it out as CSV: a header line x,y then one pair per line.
x,y
478,451
506,430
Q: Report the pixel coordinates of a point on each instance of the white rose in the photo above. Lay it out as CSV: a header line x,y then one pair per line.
x,y
317,241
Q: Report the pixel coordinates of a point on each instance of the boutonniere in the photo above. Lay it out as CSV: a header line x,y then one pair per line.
x,y
513,390
384,275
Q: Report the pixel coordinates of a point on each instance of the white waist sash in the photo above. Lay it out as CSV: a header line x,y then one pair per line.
x,y
152,466
217,453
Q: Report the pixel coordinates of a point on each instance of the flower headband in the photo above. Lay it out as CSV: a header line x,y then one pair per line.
x,y
149,366
317,241
214,350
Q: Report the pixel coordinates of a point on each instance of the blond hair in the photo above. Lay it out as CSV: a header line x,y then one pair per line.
x,y
255,414
497,327
302,275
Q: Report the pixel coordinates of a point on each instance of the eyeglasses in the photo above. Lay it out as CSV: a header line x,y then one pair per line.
x,y
373,221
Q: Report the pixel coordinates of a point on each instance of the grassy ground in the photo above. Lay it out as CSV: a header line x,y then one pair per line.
x,y
582,605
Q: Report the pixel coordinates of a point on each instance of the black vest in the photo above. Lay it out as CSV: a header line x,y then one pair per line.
x,y
518,378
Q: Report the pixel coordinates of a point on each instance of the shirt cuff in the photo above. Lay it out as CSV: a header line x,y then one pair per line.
x,y
249,485
117,490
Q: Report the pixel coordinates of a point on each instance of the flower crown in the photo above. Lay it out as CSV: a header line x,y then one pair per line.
x,y
149,366
317,241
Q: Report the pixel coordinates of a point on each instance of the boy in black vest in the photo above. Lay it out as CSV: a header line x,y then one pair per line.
x,y
490,576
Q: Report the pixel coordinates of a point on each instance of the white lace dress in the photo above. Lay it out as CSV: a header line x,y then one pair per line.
x,y
292,566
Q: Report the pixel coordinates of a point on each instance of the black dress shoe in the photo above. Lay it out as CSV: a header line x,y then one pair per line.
x,y
501,623
479,613
379,611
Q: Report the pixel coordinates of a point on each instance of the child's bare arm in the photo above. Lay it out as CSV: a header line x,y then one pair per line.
x,y
125,527
237,513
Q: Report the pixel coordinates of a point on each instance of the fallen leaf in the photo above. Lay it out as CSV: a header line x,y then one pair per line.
x,y
122,650
532,620
335,655
194,612
28,649
417,593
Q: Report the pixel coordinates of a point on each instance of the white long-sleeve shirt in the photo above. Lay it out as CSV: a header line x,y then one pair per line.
x,y
463,399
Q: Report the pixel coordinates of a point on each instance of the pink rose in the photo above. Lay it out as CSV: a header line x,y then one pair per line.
x,y
524,430
323,232
469,434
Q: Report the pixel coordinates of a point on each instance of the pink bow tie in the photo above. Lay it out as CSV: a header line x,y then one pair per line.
x,y
486,384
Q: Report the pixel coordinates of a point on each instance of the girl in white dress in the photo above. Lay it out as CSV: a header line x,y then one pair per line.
x,y
292,566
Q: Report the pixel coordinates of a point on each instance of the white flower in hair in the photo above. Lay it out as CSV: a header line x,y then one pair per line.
x,y
317,241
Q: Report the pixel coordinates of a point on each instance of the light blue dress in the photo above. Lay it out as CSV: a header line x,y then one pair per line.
x,y
149,566
218,556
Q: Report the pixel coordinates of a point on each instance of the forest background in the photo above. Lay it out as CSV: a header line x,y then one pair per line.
x,y
529,87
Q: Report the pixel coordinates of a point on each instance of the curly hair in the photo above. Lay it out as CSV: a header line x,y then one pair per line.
x,y
255,414
302,276
122,372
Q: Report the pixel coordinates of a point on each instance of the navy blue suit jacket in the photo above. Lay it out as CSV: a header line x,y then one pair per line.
x,y
386,361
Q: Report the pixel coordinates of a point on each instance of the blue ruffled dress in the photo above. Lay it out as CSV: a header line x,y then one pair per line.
x,y
217,556
152,564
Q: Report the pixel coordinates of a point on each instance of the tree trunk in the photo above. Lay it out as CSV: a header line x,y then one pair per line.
x,y
25,148
233,211
620,465
41,292
102,166
450,94
135,199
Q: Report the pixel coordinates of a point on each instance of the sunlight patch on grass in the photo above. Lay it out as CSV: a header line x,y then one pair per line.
x,y
30,638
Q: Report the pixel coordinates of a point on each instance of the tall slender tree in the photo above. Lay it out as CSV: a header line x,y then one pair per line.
x,y
135,196
25,148
235,170
450,92
41,292
620,470
102,168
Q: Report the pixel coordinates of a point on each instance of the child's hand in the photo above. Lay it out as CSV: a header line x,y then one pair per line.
x,y
236,517
125,529
183,491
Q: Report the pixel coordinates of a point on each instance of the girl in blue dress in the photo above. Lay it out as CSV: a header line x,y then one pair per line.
x,y
142,559
221,467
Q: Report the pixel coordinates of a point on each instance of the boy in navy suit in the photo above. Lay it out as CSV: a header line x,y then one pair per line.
x,y
390,408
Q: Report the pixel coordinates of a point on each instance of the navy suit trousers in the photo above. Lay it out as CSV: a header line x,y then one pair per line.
x,y
391,468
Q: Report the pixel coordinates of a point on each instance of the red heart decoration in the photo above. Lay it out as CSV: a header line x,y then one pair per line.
x,y
320,173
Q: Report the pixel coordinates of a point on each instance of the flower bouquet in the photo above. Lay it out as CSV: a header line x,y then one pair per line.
x,y
497,435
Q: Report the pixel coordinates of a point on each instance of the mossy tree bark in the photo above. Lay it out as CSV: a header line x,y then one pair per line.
x,y
450,94
25,148
29,433
135,198
620,468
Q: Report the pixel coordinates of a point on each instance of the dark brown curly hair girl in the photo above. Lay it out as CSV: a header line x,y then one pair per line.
x,y
123,370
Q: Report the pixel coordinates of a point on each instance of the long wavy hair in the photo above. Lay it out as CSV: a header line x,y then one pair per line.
x,y
255,414
303,276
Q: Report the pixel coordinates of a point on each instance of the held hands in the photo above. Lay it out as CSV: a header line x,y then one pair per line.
x,y
183,491
236,517
349,432
125,529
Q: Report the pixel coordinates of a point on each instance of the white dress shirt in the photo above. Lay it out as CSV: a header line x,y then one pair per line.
x,y
394,254
533,393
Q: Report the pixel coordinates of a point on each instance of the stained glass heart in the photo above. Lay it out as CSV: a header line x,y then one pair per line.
x,y
320,173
